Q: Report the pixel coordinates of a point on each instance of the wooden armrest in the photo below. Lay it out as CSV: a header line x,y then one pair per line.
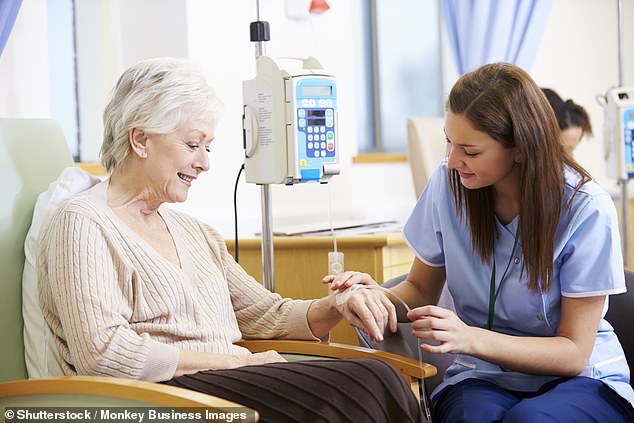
x,y
147,392
406,365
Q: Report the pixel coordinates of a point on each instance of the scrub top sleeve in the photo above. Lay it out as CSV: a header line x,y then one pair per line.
x,y
422,231
593,262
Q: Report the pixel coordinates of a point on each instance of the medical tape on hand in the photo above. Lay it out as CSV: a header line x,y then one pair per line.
x,y
342,297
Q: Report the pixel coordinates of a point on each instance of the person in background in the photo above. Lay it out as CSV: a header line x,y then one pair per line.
x,y
133,289
529,248
573,120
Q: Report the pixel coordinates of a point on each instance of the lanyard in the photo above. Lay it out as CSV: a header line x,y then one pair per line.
x,y
493,293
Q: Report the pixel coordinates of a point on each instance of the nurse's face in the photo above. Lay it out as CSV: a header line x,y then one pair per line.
x,y
480,160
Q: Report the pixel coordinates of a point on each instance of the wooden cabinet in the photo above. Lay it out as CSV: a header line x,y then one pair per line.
x,y
301,263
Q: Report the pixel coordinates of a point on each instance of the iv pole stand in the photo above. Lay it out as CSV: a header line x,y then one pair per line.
x,y
625,204
260,33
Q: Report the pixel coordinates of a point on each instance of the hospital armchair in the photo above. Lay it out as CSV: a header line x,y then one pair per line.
x,y
426,147
33,152
620,317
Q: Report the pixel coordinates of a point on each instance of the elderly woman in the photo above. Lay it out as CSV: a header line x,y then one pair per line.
x,y
133,289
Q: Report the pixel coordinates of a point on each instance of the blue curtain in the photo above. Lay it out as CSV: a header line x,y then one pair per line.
x,y
8,12
485,31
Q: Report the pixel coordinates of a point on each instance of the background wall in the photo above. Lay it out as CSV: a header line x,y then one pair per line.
x,y
360,192
577,57
112,35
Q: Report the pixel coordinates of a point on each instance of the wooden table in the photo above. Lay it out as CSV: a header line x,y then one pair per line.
x,y
301,263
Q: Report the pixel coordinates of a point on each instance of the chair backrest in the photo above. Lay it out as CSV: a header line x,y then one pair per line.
x,y
426,148
32,154
620,317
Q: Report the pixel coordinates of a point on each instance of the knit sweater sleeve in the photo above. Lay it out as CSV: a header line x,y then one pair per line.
x,y
260,313
88,291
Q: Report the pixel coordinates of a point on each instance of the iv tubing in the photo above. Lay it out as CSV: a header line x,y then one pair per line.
x,y
332,230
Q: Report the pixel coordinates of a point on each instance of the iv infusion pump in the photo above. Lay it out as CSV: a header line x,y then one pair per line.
x,y
290,122
619,132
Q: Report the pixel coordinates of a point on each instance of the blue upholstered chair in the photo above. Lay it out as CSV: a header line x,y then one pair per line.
x,y
620,315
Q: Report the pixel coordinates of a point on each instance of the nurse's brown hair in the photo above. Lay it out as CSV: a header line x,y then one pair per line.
x,y
503,101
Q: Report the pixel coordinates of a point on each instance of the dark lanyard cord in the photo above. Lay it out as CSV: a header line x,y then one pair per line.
x,y
493,293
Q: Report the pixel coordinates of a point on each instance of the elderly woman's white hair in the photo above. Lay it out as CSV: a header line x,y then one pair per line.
x,y
155,95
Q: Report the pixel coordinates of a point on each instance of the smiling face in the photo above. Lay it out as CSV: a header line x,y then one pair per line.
x,y
173,161
480,160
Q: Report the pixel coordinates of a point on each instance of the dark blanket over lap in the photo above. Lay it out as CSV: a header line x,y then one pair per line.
x,y
353,390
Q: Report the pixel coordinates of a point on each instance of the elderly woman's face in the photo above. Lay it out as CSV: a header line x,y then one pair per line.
x,y
175,160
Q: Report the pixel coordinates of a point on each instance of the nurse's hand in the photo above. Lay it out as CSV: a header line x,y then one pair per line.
x,y
443,325
367,309
344,280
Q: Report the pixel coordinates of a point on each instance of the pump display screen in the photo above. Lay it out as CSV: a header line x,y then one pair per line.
x,y
316,117
317,90
628,133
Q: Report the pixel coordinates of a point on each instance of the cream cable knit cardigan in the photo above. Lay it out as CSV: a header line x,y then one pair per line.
x,y
116,307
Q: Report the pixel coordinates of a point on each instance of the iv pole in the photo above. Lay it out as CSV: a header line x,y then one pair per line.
x,y
625,204
259,34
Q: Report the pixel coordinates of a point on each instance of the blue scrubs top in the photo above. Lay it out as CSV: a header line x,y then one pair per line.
x,y
587,262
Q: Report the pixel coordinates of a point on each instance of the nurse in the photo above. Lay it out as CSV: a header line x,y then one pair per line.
x,y
573,120
529,248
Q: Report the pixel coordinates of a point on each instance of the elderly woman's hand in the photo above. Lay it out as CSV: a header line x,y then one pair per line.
x,y
265,357
196,361
367,309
